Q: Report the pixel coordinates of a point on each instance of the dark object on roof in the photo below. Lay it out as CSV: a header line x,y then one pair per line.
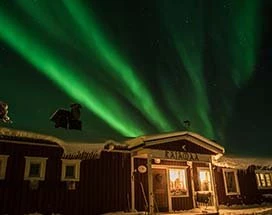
x,y
4,113
75,111
67,119
61,118
187,123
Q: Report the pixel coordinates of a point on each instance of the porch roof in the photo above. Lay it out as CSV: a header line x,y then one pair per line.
x,y
148,140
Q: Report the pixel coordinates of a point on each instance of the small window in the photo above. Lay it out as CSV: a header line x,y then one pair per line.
x,y
264,179
70,170
35,168
3,166
178,182
204,179
231,182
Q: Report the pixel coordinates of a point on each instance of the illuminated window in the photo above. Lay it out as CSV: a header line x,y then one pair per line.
x,y
231,182
267,179
264,179
70,170
35,168
204,178
178,182
258,180
3,166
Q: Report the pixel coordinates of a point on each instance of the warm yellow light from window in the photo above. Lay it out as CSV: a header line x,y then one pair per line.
x,y
258,180
173,174
203,176
177,183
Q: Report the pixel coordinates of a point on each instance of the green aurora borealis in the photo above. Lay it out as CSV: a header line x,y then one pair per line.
x,y
136,68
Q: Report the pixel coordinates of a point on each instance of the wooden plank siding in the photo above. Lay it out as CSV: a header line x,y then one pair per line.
x,y
138,179
104,184
15,195
249,192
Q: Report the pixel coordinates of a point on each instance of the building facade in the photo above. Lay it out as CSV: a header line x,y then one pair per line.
x,y
157,173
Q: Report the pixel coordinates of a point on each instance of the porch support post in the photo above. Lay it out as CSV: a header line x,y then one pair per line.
x,y
150,184
190,164
132,184
215,197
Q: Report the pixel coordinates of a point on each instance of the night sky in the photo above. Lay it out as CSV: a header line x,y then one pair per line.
x,y
141,67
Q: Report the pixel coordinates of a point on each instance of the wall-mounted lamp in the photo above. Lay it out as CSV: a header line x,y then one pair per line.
x,y
157,160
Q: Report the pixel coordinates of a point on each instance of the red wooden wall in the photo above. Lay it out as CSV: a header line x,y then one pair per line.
x,y
249,192
104,184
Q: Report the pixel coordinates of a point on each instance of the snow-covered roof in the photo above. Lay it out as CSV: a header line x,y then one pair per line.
x,y
82,150
242,163
72,150
19,134
88,150
144,140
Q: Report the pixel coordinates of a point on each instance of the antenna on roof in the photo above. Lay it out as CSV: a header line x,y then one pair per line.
x,y
4,113
187,124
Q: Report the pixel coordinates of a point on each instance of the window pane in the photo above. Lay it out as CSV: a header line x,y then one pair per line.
x,y
34,170
177,182
230,180
70,171
258,180
205,181
263,184
268,180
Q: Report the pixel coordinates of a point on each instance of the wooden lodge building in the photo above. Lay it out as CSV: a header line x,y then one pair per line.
x,y
158,173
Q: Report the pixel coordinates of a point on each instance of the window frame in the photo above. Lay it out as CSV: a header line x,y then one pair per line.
x,y
184,168
3,166
70,162
199,169
235,179
35,160
259,182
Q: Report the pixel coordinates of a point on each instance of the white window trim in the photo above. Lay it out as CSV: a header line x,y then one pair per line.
x,y
236,182
67,162
4,161
29,160
264,172
198,175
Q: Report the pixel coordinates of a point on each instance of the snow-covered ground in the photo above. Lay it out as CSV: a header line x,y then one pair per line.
x,y
246,210
224,210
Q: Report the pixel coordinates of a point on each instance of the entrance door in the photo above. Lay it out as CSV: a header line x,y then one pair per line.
x,y
160,190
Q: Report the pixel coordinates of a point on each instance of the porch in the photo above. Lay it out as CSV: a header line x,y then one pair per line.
x,y
174,174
